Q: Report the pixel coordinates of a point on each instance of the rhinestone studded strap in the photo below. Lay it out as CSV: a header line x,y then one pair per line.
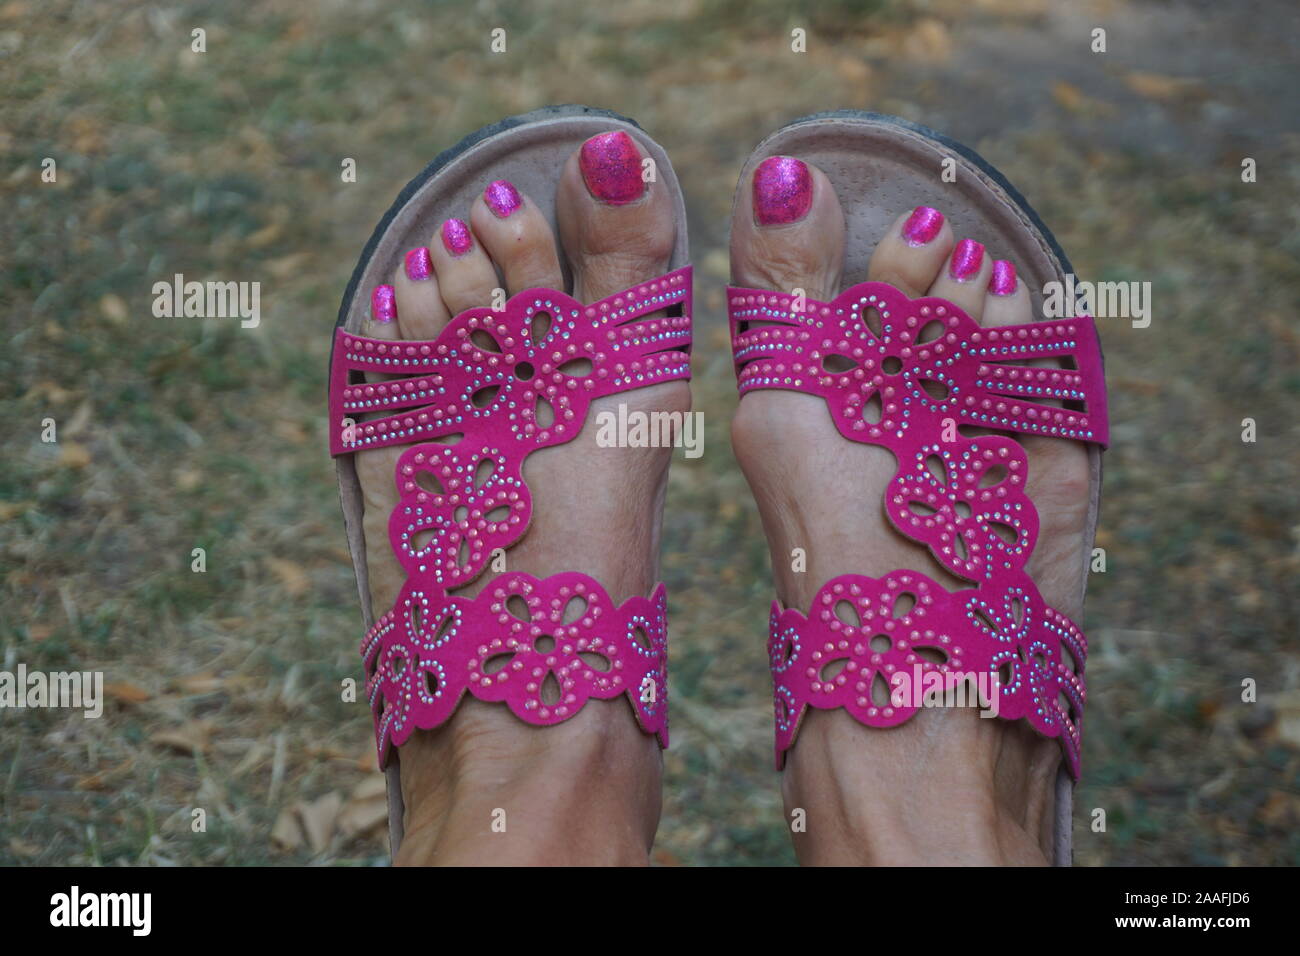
x,y
917,376
472,404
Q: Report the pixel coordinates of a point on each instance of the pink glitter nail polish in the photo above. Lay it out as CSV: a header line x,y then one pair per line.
x,y
502,198
922,226
611,168
418,264
383,306
966,260
456,237
1003,280
782,191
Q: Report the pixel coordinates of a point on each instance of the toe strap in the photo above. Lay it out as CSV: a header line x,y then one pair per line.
x,y
523,375
895,370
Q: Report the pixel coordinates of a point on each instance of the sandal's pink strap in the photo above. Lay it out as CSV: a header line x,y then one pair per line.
x,y
891,367
506,644
489,369
884,648
468,405
908,374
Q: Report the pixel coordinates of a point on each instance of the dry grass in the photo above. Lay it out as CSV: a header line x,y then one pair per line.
x,y
185,433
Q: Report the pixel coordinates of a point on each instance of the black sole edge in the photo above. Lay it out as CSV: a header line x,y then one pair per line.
x,y
957,147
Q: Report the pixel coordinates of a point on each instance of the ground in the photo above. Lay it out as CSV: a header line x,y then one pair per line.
x,y
176,434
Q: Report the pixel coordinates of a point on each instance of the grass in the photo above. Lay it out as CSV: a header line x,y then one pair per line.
x,y
176,434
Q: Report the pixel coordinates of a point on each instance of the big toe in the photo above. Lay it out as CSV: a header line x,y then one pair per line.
x,y
787,229
616,217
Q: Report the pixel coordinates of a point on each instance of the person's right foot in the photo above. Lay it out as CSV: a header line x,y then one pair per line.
x,y
945,787
586,790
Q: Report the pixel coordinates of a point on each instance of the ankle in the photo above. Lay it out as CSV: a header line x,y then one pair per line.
x,y
923,794
485,787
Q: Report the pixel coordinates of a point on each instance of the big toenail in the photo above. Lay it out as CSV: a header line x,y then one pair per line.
x,y
456,237
782,191
1003,280
383,306
611,168
922,226
966,260
418,264
502,198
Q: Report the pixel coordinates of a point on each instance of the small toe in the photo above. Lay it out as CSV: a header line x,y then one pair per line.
x,y
466,275
912,252
517,237
421,313
964,279
1007,300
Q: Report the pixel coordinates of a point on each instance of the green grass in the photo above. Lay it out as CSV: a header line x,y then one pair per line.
x,y
197,433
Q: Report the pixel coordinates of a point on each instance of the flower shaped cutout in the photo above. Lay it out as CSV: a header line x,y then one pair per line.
x,y
966,501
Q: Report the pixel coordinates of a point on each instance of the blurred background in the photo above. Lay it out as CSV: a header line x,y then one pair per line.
x,y
181,433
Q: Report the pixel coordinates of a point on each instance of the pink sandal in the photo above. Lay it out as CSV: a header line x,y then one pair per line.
x,y
1001,629
459,504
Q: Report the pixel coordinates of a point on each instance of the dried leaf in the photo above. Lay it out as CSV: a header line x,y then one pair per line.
x,y
14,509
113,307
1287,708
287,832
187,479
23,849
190,738
127,693
74,455
201,683
367,807
928,42
319,819
291,575
1155,86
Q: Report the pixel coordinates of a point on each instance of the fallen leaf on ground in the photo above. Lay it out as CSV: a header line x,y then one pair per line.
x,y
129,693
74,455
23,848
13,509
366,808
287,832
113,307
292,577
1155,86
318,820
1287,708
201,683
190,738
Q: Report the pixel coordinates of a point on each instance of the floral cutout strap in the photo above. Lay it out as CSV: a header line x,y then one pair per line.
x,y
916,376
472,404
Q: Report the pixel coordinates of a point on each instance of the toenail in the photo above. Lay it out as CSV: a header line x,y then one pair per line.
x,y
611,168
418,264
966,260
383,307
1003,280
922,226
502,198
456,237
782,191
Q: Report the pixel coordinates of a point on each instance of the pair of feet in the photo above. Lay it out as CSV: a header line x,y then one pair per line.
x,y
946,786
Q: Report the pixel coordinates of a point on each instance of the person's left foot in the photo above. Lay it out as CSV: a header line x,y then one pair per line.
x,y
946,786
